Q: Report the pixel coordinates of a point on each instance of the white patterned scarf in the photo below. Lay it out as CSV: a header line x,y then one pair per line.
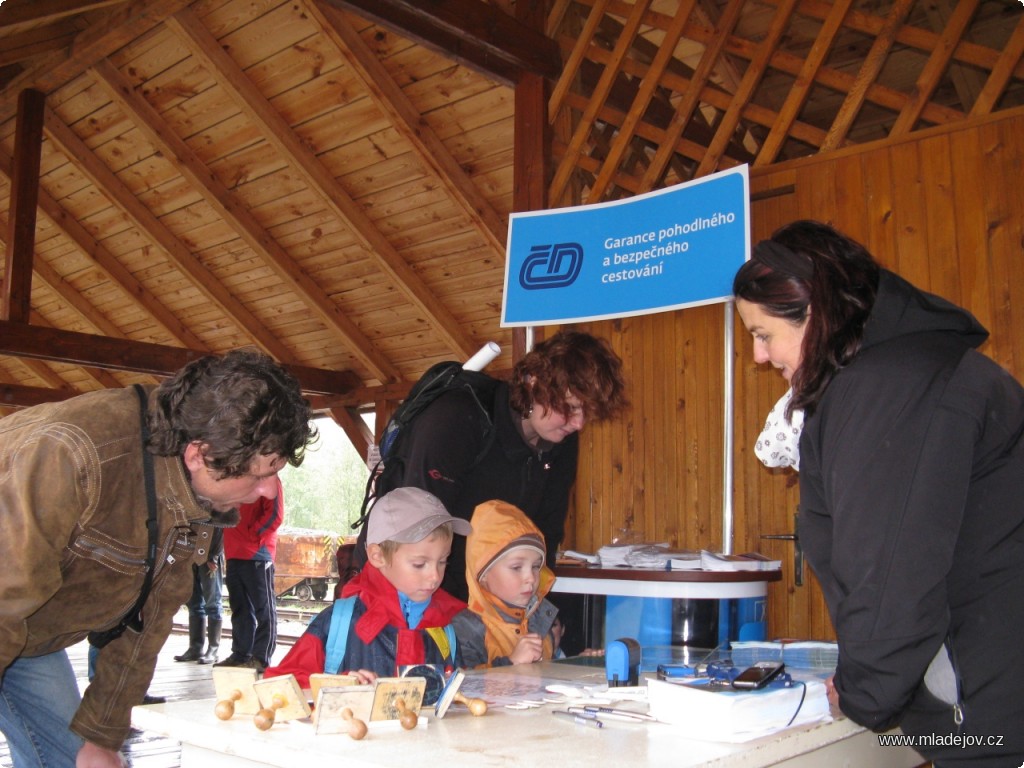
x,y
779,442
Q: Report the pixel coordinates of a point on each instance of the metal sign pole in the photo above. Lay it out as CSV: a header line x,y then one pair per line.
x,y
727,441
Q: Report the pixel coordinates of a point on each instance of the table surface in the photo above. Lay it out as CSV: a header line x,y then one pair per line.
x,y
653,574
502,737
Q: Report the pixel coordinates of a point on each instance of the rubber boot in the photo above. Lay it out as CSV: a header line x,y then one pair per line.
x,y
213,633
196,630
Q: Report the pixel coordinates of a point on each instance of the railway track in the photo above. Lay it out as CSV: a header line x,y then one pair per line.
x,y
292,617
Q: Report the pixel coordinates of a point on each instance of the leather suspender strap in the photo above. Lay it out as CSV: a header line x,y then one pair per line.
x,y
133,618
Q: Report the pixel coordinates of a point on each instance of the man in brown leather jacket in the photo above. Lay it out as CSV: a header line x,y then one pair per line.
x,y
76,546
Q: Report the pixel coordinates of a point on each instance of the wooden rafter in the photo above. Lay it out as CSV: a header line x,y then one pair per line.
x,y
753,74
119,26
1003,69
234,211
429,148
36,342
866,75
174,249
939,59
43,12
597,100
277,131
644,93
688,103
801,88
469,31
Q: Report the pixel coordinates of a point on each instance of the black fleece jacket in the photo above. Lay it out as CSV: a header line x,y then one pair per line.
x,y
912,517
451,453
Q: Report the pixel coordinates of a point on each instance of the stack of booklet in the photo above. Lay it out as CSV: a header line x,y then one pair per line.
x,y
716,561
710,711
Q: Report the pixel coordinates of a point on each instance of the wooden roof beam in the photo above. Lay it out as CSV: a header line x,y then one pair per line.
x,y
321,181
939,59
477,34
751,77
237,214
1001,72
101,377
869,70
798,94
23,340
39,12
21,396
120,26
36,42
147,223
21,222
597,100
392,101
644,93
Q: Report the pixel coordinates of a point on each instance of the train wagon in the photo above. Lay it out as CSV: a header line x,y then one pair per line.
x,y
305,565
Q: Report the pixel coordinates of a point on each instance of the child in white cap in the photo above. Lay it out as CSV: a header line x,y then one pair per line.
x,y
393,613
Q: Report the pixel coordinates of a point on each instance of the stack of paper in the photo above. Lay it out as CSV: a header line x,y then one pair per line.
x,y
572,554
805,654
614,554
701,711
657,556
648,555
685,561
749,561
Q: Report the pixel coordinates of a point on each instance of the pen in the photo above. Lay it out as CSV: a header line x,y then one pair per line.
x,y
593,722
619,714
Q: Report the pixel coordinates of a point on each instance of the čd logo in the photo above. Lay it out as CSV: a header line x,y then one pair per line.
x,y
551,266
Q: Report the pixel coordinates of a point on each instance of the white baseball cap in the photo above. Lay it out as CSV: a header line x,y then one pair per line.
x,y
408,515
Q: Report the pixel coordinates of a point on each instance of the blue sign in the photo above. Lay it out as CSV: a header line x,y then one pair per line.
x,y
668,249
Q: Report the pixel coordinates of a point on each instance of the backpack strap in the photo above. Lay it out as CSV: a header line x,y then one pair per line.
x,y
341,620
337,635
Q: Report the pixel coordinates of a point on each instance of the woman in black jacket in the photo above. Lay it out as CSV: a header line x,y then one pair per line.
x,y
514,441
911,462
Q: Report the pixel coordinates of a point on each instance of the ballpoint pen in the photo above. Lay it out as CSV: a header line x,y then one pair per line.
x,y
579,719
611,713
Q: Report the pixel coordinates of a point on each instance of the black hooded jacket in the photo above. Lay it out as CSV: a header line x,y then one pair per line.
x,y
912,517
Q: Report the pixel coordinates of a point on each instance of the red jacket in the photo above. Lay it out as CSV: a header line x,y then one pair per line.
x,y
255,536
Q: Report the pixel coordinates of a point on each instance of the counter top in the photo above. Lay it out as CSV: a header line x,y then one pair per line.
x,y
503,737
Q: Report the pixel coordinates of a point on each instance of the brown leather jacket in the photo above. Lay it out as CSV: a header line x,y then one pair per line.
x,y
73,544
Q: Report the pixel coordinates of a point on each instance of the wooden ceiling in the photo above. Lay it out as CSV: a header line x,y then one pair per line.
x,y
331,180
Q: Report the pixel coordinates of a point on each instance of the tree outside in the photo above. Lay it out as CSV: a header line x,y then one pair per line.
x,y
325,493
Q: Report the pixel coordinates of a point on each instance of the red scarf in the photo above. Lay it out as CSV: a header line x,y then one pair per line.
x,y
383,609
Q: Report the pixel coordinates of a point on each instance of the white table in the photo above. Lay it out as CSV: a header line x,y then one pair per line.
x,y
505,737
646,582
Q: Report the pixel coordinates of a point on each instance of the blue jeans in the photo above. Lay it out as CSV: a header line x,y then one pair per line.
x,y
38,697
206,592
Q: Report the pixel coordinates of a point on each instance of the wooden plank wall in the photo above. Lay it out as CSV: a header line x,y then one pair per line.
x,y
944,208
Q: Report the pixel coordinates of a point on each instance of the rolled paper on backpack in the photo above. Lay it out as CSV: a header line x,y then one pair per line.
x,y
483,358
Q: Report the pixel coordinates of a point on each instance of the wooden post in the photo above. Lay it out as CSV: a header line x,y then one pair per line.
x,y
530,158
21,219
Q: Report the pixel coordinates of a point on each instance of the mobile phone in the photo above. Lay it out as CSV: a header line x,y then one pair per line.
x,y
758,675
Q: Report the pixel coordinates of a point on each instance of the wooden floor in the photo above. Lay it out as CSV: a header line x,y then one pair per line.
x,y
173,680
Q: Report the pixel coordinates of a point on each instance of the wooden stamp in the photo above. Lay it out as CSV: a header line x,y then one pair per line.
x,y
281,699
333,702
320,680
396,696
234,685
451,693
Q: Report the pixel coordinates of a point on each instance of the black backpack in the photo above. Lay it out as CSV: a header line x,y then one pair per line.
x,y
440,378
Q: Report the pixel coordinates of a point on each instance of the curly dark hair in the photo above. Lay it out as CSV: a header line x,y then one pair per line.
x,y
807,265
239,406
570,362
